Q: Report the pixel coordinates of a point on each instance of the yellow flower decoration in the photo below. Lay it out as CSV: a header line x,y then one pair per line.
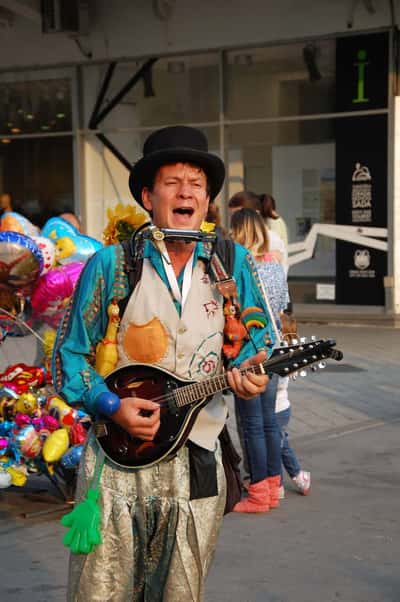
x,y
207,227
122,221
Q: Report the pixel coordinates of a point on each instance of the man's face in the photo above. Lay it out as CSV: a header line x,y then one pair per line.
x,y
179,198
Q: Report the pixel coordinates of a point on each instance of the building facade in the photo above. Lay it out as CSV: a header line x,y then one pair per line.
x,y
299,97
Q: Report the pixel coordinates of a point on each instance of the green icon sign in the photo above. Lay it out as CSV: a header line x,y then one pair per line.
x,y
361,65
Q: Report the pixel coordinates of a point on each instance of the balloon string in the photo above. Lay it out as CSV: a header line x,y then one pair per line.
x,y
23,323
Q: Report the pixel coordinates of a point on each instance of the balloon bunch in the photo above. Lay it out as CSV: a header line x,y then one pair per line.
x,y
38,431
38,273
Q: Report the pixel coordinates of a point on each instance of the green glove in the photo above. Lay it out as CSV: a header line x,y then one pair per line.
x,y
84,520
84,523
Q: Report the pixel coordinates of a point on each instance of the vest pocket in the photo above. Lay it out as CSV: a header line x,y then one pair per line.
x,y
203,472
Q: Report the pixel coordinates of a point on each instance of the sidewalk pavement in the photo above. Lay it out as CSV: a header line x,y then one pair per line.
x,y
340,416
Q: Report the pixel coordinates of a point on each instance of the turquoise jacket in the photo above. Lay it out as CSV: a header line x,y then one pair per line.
x,y
103,280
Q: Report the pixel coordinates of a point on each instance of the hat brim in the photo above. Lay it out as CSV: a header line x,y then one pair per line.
x,y
143,171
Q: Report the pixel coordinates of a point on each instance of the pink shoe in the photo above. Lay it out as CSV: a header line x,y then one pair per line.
x,y
257,499
274,486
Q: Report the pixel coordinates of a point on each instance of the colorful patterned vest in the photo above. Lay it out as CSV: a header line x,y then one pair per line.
x,y
151,331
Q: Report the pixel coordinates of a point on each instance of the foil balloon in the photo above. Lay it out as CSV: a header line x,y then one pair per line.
x,y
18,476
70,244
56,407
26,404
48,423
47,249
27,442
15,222
20,261
21,377
53,290
77,434
22,420
55,446
6,427
5,479
3,445
72,457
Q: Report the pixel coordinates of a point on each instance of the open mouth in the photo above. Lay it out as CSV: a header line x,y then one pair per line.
x,y
184,211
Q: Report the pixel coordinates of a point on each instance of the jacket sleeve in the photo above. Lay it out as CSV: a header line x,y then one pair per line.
x,y
255,314
83,326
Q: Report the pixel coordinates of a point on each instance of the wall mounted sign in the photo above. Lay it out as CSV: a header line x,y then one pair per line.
x,y
361,165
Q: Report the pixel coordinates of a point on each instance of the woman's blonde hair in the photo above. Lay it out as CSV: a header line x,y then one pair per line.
x,y
248,229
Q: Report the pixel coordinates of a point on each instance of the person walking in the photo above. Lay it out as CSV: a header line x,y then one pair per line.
x,y
159,525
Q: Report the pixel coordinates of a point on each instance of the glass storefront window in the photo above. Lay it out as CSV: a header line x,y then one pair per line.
x,y
38,173
38,106
292,79
177,90
295,162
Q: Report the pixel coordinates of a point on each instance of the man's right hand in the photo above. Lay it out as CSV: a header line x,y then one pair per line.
x,y
130,418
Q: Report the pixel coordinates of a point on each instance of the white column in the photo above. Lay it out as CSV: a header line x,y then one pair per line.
x,y
395,229
104,177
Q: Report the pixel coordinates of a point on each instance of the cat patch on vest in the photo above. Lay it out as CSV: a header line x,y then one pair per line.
x,y
146,343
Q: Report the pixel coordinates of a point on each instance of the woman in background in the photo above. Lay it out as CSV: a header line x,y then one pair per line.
x,y
258,422
274,221
246,199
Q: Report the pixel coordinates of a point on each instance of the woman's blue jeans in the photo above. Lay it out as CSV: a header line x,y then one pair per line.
x,y
261,433
289,458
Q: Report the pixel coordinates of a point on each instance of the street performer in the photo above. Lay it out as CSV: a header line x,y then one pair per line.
x,y
159,524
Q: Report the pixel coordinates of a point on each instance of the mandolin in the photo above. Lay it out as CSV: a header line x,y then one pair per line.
x,y
181,400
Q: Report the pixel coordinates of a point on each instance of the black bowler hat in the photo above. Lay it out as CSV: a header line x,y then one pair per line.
x,y
178,144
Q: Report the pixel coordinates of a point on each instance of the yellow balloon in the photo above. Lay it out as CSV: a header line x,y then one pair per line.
x,y
55,445
18,477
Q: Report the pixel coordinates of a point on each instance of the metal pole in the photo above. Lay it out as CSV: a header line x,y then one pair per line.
x,y
102,93
114,151
114,101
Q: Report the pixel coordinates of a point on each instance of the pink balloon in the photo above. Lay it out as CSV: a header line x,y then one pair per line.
x,y
53,291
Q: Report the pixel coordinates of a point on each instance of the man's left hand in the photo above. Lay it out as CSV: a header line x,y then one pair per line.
x,y
248,385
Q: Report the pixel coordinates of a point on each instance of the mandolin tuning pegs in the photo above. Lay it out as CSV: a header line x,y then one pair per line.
x,y
313,337
303,373
321,365
294,376
314,368
303,339
295,341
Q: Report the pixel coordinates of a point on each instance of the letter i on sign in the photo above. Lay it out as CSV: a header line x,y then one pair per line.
x,y
361,65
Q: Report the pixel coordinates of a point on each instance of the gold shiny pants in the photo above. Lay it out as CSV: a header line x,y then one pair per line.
x,y
157,544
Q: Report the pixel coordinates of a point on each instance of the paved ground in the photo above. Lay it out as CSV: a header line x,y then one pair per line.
x,y
339,543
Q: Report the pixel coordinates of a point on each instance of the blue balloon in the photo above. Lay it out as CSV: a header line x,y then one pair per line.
x,y
72,457
70,244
